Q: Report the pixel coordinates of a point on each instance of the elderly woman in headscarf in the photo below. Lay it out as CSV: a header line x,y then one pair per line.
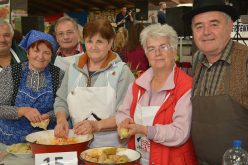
x,y
156,112
28,90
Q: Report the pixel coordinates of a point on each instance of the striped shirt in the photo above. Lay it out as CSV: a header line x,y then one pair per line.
x,y
210,79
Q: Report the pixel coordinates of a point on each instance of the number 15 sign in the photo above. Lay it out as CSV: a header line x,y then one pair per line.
x,y
58,158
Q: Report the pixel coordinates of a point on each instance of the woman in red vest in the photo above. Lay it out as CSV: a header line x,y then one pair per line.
x,y
157,108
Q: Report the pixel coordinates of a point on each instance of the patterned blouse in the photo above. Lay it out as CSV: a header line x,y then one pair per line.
x,y
35,81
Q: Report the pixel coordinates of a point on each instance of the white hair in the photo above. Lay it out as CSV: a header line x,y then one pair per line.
x,y
158,30
3,22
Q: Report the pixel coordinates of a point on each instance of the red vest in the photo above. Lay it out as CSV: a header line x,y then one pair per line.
x,y
161,154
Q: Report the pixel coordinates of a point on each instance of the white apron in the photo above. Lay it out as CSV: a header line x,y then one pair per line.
x,y
144,115
84,101
64,62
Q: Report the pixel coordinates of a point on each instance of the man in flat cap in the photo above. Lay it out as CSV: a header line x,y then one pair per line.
x,y
220,92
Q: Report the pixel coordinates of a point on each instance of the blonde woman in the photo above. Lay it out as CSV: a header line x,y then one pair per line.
x,y
120,42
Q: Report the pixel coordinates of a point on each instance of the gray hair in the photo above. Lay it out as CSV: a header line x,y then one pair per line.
x,y
228,17
158,30
65,19
3,22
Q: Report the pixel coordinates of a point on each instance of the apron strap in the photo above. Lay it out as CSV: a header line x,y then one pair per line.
x,y
15,55
166,97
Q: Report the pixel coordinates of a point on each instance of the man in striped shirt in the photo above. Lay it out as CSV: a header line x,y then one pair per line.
x,y
68,37
220,92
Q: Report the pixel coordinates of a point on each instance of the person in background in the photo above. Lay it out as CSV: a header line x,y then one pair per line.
x,y
134,52
120,42
68,38
124,18
17,36
93,88
10,52
220,92
157,107
162,13
28,90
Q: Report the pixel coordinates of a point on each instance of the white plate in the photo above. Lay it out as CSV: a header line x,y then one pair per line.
x,y
20,155
131,154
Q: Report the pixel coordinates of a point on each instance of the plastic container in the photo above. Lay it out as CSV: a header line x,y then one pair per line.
x,y
235,155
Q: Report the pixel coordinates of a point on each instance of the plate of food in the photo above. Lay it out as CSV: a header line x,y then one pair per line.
x,y
21,150
110,155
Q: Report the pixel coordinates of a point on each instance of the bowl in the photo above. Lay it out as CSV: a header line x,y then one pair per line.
x,y
133,156
42,142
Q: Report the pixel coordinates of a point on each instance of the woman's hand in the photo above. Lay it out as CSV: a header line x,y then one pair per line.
x,y
32,114
45,116
85,127
132,128
123,128
62,129
137,129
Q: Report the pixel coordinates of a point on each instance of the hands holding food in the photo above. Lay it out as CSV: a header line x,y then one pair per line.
x,y
85,127
43,124
62,129
32,114
123,128
128,128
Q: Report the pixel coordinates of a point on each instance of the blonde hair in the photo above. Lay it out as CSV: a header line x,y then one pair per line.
x,y
120,39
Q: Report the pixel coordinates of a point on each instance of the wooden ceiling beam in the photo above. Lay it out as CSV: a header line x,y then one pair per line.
x,y
41,7
43,4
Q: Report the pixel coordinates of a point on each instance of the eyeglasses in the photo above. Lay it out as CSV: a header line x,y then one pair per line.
x,y
161,48
68,33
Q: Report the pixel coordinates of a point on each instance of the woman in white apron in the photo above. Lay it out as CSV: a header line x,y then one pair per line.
x,y
157,108
93,88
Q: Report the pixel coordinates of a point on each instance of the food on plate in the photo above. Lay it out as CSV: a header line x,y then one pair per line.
x,y
58,141
43,124
19,148
106,155
123,133
110,151
63,141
